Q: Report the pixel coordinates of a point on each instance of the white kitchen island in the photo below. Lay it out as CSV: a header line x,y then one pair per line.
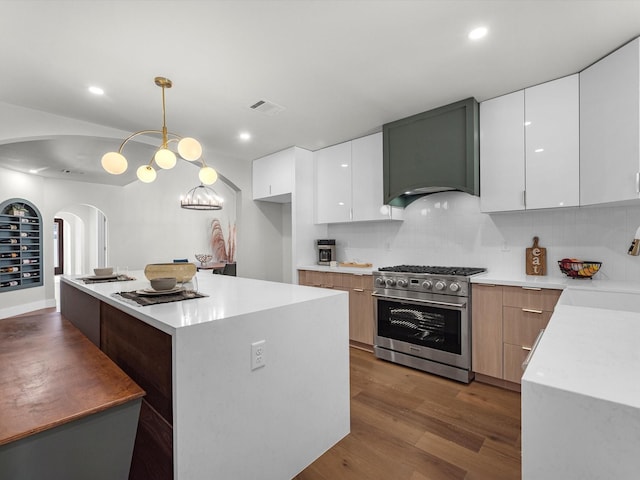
x,y
223,419
580,392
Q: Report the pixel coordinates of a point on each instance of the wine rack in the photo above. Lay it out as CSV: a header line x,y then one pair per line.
x,y
20,245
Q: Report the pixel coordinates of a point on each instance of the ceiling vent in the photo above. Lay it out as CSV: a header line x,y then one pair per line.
x,y
267,107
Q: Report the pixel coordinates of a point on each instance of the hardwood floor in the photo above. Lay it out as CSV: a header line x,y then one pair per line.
x,y
409,425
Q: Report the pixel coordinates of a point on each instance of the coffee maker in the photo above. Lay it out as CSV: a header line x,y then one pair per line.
x,y
326,251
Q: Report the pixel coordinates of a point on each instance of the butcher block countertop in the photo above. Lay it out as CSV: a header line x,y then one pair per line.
x,y
51,375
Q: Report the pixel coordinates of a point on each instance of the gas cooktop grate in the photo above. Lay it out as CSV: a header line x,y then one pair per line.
x,y
464,271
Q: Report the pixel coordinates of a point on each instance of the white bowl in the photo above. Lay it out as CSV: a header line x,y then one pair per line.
x,y
103,272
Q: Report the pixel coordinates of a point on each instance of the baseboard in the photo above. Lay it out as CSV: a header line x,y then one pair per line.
x,y
497,382
361,346
26,308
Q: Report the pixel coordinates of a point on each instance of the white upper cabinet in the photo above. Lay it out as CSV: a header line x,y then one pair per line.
x,y
552,140
367,181
333,183
349,182
502,164
273,178
529,148
610,128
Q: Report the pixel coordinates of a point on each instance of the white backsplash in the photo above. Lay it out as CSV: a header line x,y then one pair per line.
x,y
449,229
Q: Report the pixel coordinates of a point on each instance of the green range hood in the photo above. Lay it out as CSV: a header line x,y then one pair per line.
x,y
431,152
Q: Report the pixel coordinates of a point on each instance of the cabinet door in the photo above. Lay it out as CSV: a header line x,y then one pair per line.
x,y
273,177
502,163
366,181
609,127
514,355
361,316
333,183
552,144
486,330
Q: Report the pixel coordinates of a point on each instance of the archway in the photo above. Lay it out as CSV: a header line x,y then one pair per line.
x,y
85,241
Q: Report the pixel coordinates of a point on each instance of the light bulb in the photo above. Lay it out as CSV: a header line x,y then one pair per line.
x,y
146,173
165,158
114,163
189,149
208,175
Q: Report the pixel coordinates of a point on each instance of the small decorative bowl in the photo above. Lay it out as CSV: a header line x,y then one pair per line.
x,y
582,269
103,272
163,283
203,258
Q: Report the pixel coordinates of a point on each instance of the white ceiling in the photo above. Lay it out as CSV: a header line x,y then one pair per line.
x,y
341,69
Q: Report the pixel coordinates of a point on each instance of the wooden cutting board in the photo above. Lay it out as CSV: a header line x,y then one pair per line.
x,y
356,265
536,259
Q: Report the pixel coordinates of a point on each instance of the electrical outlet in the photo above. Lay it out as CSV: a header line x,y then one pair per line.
x,y
258,358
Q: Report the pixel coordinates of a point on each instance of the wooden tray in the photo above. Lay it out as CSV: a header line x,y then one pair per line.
x,y
356,265
182,272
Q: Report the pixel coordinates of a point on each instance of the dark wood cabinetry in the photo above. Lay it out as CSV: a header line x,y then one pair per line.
x,y
144,353
20,245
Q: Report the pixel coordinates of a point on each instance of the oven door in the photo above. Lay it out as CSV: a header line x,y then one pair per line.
x,y
436,329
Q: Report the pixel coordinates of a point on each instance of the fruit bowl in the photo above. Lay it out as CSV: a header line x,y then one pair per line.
x,y
579,268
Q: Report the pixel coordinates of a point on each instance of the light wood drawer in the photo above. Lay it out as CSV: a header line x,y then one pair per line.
x,y
536,299
335,280
514,355
521,326
357,282
315,278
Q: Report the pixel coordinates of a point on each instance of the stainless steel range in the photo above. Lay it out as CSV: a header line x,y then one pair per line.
x,y
423,318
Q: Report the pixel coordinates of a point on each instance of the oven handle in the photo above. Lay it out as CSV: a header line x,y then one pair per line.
x,y
421,302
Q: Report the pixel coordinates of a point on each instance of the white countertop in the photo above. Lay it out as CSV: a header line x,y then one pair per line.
x,y
228,296
580,395
554,281
327,268
592,352
590,346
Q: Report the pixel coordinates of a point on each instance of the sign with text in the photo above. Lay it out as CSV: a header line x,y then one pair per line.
x,y
536,259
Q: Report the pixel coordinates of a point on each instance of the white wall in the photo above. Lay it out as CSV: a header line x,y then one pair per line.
x,y
449,229
145,221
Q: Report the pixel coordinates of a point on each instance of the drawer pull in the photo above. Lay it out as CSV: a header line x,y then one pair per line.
x,y
537,289
525,364
530,310
358,289
528,349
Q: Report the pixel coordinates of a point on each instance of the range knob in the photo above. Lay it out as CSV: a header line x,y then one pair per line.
x,y
380,281
402,282
427,284
440,285
454,287
390,282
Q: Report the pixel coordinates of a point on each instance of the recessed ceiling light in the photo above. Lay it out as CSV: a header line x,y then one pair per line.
x,y
96,90
244,136
478,33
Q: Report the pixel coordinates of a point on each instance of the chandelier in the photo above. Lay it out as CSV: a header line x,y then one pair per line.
x,y
201,198
188,149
